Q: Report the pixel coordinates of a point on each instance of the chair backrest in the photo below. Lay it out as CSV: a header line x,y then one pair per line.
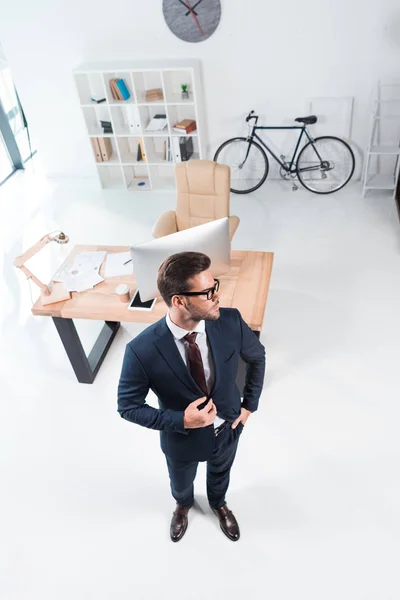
x,y
202,192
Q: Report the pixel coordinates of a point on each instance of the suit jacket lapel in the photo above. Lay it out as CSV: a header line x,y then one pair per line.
x,y
167,347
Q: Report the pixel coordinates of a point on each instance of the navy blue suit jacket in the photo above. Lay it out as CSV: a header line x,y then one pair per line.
x,y
152,361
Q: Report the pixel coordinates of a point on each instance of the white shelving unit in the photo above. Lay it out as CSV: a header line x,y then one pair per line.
x,y
129,119
382,164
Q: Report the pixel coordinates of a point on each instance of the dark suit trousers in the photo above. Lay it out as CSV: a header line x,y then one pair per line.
x,y
182,473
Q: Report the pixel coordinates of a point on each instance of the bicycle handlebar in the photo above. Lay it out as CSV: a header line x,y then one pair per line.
x,y
251,115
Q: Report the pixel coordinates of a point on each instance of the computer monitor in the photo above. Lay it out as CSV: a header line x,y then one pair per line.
x,y
211,239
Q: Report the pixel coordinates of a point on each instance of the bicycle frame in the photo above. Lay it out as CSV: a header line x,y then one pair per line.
x,y
291,168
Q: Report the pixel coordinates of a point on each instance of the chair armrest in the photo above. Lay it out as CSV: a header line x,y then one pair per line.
x,y
233,225
165,225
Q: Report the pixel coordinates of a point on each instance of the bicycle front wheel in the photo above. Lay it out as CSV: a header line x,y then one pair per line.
x,y
325,165
249,165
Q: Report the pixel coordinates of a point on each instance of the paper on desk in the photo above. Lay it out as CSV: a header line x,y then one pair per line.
x,y
115,264
89,260
87,282
82,282
83,274
83,263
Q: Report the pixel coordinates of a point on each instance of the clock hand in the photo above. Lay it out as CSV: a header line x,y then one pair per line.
x,y
194,16
185,5
193,7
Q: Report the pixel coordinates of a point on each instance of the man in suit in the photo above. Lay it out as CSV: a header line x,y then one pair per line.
x,y
190,360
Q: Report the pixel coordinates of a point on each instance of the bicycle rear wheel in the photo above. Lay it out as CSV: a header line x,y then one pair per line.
x,y
325,165
247,174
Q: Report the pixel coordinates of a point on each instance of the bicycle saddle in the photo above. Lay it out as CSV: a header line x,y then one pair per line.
x,y
307,120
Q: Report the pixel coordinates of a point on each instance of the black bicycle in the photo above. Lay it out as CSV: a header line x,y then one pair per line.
x,y
324,165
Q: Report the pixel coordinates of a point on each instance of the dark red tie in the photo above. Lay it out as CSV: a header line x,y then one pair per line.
x,y
196,366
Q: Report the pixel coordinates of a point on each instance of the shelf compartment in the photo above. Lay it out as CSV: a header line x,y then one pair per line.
x,y
128,149
110,144
93,116
385,150
173,80
146,115
90,85
126,119
147,80
126,76
179,113
162,177
177,151
157,149
381,181
136,178
111,177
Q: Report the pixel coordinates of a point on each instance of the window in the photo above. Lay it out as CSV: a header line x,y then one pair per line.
x,y
15,144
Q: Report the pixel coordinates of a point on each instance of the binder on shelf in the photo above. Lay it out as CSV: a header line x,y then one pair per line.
x,y
120,83
176,149
186,148
105,147
133,119
96,149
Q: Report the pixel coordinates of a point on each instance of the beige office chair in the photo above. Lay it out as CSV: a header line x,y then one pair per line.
x,y
202,196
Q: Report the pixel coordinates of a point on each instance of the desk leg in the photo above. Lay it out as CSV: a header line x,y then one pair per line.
x,y
241,374
85,367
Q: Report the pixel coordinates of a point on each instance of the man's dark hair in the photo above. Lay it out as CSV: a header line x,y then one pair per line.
x,y
175,271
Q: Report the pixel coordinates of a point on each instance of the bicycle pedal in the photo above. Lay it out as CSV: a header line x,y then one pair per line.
x,y
294,188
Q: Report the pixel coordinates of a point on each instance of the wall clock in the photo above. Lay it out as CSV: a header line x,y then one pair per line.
x,y
192,20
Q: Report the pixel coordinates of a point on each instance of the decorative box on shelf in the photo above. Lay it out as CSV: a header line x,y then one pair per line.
x,y
132,110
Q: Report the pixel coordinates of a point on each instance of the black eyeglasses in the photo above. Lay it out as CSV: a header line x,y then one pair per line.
x,y
209,293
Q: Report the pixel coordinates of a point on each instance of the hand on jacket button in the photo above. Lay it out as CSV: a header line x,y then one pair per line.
x,y
194,418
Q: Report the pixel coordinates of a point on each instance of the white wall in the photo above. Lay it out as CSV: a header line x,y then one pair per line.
x,y
270,56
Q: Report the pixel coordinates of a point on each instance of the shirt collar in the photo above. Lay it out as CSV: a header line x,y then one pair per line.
x,y
180,333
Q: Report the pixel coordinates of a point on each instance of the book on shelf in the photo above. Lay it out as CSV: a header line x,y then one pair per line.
x,y
141,155
154,95
158,123
167,156
186,126
119,90
123,89
114,90
106,126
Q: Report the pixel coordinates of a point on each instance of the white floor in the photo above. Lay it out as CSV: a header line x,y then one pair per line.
x,y
85,503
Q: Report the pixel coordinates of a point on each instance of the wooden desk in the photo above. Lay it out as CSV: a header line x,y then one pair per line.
x,y
245,287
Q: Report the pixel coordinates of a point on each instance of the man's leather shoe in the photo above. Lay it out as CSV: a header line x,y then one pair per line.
x,y
228,523
179,522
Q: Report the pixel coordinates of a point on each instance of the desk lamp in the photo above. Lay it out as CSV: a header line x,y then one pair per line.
x,y
57,291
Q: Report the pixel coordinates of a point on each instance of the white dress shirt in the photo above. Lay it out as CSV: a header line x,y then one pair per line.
x,y
201,341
